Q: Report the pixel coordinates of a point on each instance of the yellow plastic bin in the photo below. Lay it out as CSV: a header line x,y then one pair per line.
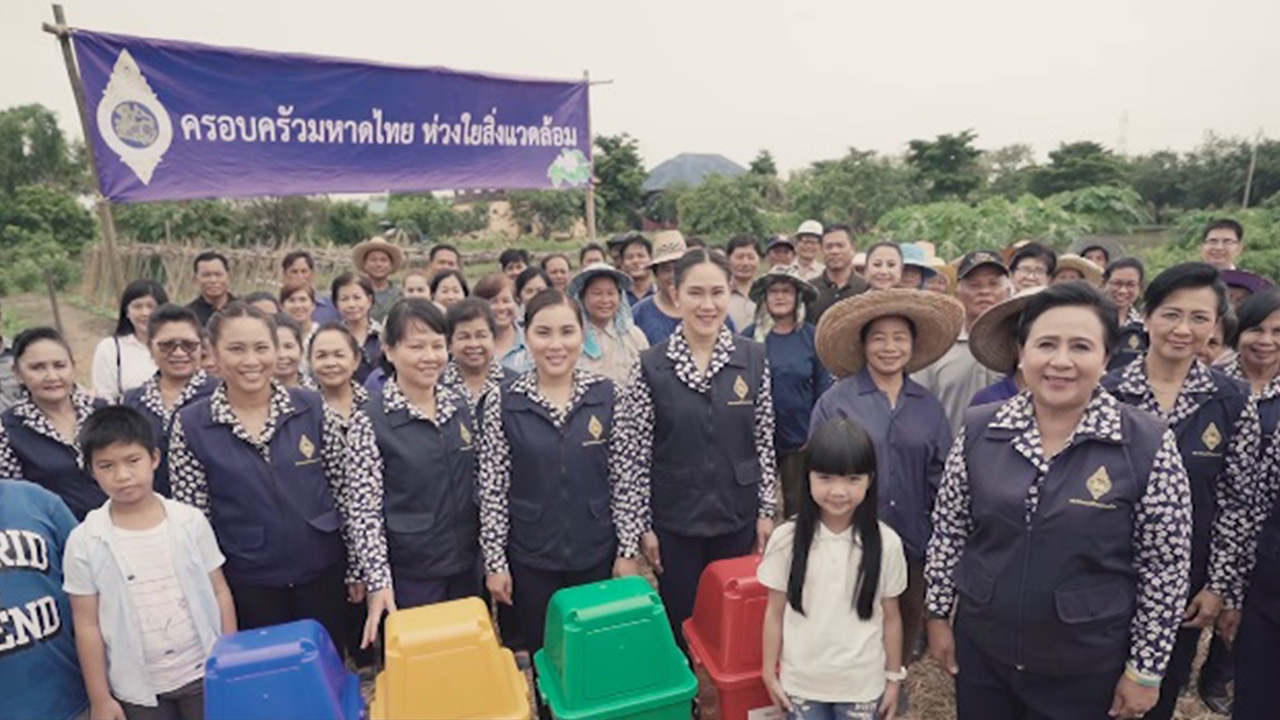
x,y
443,662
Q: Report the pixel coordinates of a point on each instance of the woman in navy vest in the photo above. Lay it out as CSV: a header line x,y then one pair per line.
x,y
703,414
1256,632
174,337
1062,529
294,499
874,341
333,355
38,434
1122,282
425,435
473,371
1219,434
555,508
353,295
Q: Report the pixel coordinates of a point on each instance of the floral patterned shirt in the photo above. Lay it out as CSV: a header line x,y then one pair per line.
x,y
153,400
452,378
640,412
34,418
494,460
350,456
1161,525
1234,488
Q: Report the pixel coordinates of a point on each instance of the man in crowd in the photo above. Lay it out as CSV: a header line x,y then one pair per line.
x,y
1221,243
378,260
513,261
983,281
636,252
443,256
838,280
1031,266
808,244
780,253
10,387
300,269
213,275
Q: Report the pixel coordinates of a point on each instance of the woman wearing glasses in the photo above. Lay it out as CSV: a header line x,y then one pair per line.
x,y
175,344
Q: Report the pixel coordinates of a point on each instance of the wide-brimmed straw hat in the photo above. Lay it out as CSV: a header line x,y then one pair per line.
x,y
393,251
938,320
993,339
668,246
1091,272
807,293
584,277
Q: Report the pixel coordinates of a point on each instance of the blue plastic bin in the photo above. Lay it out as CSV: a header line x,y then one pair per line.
x,y
282,672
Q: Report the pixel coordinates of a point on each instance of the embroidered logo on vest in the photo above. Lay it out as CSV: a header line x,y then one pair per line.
x,y
1134,342
306,447
1211,437
465,434
595,428
740,387
1099,483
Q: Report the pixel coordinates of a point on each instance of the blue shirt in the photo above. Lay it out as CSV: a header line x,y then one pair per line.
x,y
799,379
634,299
912,441
998,391
325,311
39,676
657,325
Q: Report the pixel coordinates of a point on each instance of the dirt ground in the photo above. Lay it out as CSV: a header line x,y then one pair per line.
x,y
930,689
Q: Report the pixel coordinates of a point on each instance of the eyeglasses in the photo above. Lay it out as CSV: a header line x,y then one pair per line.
x,y
1122,285
1030,271
1220,242
169,347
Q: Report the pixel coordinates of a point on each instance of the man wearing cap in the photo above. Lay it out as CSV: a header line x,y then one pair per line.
x,y
378,260
983,281
808,245
838,280
781,253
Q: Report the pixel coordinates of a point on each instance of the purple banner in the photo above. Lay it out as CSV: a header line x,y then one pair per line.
x,y
174,121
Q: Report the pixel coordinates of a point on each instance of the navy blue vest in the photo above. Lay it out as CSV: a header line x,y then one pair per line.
x,y
429,501
53,466
1133,345
1203,441
1264,585
133,399
1269,414
561,519
1055,596
276,522
705,472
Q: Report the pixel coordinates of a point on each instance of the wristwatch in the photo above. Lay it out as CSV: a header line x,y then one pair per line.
x,y
897,677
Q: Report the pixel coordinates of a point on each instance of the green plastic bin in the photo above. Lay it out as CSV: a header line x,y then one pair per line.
x,y
609,654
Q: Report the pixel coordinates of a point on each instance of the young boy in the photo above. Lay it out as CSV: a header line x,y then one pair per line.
x,y
144,574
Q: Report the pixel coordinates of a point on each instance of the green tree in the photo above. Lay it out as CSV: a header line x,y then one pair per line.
x,y
348,223
620,174
215,222
428,216
33,150
1104,209
664,207
277,221
763,164
1161,179
721,207
547,212
856,189
1008,170
1077,165
41,230
948,166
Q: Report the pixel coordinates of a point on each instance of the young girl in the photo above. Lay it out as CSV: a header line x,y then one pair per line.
x,y
837,630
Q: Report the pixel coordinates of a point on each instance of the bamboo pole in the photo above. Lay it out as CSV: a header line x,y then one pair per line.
x,y
591,179
103,206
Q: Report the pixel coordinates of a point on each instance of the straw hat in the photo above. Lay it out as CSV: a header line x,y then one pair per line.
x,y
361,251
807,293
916,256
1091,272
938,319
993,339
668,246
584,277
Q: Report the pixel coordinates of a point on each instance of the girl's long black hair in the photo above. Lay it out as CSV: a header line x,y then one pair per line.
x,y
839,447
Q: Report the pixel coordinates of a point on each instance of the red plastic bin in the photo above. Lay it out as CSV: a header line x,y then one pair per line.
x,y
726,632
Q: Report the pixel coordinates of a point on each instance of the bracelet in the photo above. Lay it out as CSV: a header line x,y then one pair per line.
x,y
899,676
1141,679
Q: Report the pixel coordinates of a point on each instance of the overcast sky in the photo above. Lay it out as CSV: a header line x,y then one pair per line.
x,y
804,79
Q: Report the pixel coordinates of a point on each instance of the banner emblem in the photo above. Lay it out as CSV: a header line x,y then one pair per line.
x,y
132,121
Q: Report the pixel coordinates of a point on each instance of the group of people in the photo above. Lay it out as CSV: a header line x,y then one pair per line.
x,y
1040,465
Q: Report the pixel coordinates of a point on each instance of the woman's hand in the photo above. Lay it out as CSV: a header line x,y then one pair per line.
x,y
1203,609
764,528
652,553
107,709
1229,625
1132,700
380,602
889,703
776,693
355,593
942,644
622,567
499,585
